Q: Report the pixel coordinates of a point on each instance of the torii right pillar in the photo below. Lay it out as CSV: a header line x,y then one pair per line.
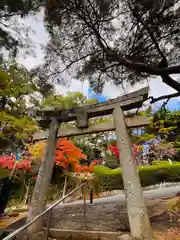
x,y
137,213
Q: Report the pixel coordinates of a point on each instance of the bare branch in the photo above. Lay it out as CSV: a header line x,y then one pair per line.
x,y
55,74
168,97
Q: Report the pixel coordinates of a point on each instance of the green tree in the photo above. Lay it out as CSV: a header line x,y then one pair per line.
x,y
16,87
44,86
15,36
165,124
71,100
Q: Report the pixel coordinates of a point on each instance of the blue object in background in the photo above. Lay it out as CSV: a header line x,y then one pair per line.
x,y
92,94
18,156
145,148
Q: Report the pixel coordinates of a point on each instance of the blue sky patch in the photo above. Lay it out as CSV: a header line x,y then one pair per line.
x,y
100,97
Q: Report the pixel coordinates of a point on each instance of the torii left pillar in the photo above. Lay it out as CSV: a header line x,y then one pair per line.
x,y
40,193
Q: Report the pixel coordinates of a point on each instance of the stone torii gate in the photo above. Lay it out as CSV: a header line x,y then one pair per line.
x,y
137,213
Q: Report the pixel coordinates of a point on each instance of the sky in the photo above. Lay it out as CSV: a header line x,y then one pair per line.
x,y
40,37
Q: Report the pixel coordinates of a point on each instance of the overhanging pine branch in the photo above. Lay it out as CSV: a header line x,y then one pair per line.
x,y
114,56
165,78
168,96
146,68
171,82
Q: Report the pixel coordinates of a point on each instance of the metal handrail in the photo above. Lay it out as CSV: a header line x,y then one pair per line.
x,y
19,230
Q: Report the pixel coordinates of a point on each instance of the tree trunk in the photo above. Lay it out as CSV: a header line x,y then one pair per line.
x,y
64,188
78,193
39,198
13,170
27,193
137,212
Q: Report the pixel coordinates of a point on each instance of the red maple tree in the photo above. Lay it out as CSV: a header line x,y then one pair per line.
x,y
68,154
114,149
10,161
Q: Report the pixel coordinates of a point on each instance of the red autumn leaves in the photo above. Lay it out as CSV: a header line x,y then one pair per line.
x,y
115,150
67,154
9,162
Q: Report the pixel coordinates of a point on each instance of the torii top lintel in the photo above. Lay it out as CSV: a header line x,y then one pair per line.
x,y
126,102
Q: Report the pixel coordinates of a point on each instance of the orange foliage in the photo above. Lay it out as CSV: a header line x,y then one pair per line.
x,y
66,154
83,168
80,169
66,150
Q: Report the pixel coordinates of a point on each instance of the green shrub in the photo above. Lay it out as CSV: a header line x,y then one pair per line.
x,y
162,162
111,179
4,172
159,173
108,179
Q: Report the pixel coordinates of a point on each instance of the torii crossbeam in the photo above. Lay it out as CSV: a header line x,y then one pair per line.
x,y
82,114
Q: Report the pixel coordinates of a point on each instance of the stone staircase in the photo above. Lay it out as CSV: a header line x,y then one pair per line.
x,y
74,222
62,234
65,234
5,232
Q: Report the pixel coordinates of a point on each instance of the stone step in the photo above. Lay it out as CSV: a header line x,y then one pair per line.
x,y
65,234
5,232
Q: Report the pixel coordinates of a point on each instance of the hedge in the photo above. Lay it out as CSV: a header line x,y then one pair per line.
x,y
111,179
162,162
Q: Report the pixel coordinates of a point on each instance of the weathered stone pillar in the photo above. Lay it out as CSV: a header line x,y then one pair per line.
x,y
137,212
39,198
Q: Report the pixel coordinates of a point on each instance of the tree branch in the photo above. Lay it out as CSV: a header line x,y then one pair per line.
x,y
115,57
171,82
169,96
138,66
143,67
165,78
55,74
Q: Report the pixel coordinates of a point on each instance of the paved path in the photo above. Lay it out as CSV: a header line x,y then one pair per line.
x,y
149,194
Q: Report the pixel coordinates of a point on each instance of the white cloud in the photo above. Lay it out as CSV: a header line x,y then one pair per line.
x,y
39,38
74,86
